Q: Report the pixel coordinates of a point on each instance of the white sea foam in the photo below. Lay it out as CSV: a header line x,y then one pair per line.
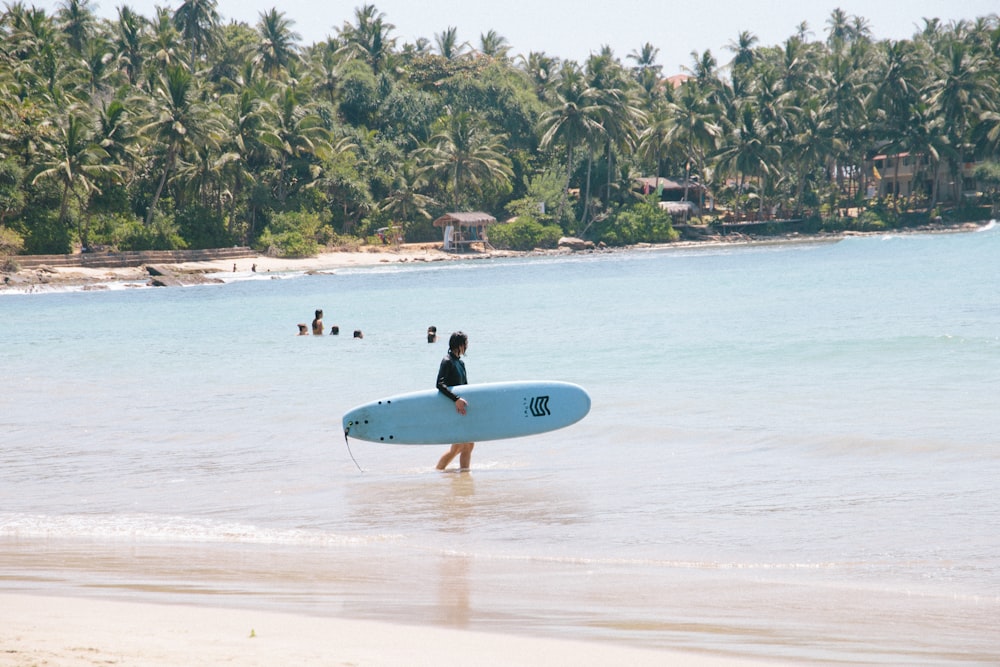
x,y
179,529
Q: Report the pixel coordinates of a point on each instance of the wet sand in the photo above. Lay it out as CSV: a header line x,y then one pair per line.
x,y
78,632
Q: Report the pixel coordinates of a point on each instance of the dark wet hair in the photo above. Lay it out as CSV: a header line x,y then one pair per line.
x,y
457,340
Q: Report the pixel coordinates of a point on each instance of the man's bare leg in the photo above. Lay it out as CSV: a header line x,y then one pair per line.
x,y
449,455
465,457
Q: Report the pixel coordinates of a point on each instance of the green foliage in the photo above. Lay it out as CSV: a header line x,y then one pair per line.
x,y
872,221
359,95
46,235
525,233
12,196
642,222
203,227
542,199
11,243
122,232
881,215
292,234
987,175
113,231
406,115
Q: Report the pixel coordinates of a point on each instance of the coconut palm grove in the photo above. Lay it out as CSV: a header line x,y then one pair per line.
x,y
185,130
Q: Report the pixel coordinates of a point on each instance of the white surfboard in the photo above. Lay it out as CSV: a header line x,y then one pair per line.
x,y
496,411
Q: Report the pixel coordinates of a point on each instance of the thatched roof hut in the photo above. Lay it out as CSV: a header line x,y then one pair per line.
x,y
463,229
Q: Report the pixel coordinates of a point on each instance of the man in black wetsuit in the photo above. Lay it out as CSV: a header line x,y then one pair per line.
x,y
451,374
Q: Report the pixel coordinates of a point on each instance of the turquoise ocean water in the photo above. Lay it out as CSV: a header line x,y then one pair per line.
x,y
793,450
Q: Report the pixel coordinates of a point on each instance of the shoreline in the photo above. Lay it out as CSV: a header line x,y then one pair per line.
x,y
46,279
41,629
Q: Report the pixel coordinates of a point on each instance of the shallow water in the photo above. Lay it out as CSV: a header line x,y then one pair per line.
x,y
792,450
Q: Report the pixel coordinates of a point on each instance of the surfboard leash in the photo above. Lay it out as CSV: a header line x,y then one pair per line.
x,y
348,443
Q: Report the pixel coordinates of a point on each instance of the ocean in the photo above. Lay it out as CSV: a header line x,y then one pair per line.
x,y
793,450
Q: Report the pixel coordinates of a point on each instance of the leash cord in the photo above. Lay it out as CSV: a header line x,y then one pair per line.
x,y
348,443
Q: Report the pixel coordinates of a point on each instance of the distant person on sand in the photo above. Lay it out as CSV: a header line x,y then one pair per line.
x,y
452,374
317,324
432,334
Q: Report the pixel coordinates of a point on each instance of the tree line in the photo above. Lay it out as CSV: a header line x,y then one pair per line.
x,y
183,130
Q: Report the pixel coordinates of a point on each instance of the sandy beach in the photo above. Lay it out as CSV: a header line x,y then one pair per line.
x,y
48,277
75,632
45,278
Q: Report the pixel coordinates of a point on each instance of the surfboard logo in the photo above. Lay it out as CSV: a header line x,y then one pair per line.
x,y
539,406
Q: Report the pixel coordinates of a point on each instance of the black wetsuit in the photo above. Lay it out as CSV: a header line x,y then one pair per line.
x,y
451,374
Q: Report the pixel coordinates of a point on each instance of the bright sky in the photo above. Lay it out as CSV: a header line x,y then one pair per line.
x,y
573,30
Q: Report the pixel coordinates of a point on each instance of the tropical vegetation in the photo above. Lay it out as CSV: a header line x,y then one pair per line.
x,y
184,130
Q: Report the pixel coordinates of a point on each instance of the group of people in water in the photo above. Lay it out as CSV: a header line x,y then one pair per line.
x,y
451,374
318,328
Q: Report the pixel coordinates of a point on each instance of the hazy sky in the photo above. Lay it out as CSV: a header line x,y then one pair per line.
x,y
573,30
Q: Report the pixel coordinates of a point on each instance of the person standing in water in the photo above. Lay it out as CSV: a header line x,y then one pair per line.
x,y
452,374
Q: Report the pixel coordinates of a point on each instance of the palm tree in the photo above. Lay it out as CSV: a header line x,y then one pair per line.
x,y
278,42
694,127
617,111
744,55
242,150
30,30
77,21
798,68
327,66
750,151
405,202
703,70
542,72
962,90
165,43
97,55
656,137
846,86
808,147
574,120
293,131
369,38
838,31
645,59
494,44
894,98
926,136
743,49
197,20
75,162
465,152
987,135
114,131
130,31
176,120
448,45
